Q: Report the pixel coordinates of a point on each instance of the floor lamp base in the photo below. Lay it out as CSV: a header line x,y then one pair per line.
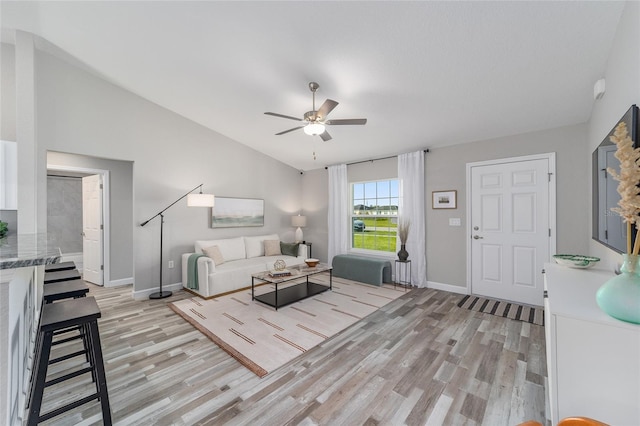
x,y
160,295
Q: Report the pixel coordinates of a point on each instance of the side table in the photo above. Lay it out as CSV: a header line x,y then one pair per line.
x,y
403,273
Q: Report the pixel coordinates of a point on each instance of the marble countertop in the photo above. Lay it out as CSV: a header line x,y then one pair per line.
x,y
18,251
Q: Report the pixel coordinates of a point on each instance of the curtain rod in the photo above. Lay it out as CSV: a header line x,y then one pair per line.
x,y
374,159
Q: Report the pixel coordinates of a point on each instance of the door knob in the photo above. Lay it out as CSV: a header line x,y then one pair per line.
x,y
477,237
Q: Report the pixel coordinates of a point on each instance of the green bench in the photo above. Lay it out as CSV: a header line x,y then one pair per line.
x,y
364,269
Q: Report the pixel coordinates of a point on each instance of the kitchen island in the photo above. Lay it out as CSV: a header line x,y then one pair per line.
x,y
22,260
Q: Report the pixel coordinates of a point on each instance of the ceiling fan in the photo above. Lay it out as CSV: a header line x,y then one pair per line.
x,y
316,120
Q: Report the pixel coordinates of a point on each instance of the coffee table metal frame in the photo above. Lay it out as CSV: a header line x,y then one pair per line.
x,y
286,295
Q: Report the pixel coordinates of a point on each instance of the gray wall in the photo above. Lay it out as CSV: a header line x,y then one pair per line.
x,y
7,92
80,113
446,170
121,251
622,77
64,212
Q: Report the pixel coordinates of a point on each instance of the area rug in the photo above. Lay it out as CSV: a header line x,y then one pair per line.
x,y
501,308
263,339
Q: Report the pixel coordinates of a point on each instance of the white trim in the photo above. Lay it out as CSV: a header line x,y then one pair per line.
x,y
447,287
106,222
144,294
118,283
551,158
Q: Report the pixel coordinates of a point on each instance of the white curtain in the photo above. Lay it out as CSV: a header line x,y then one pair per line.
x,y
411,207
338,211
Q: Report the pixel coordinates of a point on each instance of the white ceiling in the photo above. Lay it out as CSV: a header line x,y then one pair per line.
x,y
424,74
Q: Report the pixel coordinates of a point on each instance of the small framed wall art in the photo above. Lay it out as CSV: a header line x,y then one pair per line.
x,y
445,199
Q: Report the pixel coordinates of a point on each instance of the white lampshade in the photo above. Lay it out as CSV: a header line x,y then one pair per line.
x,y
299,221
313,129
200,200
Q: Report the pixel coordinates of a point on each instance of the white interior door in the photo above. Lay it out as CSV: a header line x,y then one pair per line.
x,y
510,229
92,229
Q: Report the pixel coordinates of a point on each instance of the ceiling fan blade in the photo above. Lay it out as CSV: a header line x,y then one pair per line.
x,y
326,108
346,121
290,130
283,116
325,136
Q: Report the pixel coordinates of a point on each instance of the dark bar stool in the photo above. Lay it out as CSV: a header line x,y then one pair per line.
x,y
82,312
57,276
71,289
64,266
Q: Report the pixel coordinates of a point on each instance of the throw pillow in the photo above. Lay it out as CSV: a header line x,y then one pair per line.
x,y
290,249
214,253
272,248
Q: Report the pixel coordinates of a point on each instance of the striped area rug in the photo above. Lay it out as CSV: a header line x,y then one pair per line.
x,y
263,339
501,308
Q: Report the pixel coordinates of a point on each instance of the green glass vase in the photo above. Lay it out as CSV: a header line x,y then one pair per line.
x,y
619,296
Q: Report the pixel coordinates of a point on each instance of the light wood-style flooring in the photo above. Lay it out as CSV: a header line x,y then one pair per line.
x,y
419,360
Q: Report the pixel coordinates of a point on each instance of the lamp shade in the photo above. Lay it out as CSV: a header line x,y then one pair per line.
x,y
299,221
200,200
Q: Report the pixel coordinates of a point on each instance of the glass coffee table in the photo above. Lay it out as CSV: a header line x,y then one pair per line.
x,y
287,292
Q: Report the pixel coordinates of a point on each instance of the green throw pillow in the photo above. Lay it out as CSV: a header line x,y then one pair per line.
x,y
289,249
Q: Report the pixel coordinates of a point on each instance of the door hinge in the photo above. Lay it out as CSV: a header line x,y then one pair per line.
x,y
549,174
101,187
102,267
549,231
606,234
102,227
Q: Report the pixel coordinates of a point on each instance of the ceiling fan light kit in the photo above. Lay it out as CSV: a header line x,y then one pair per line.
x,y
313,129
316,120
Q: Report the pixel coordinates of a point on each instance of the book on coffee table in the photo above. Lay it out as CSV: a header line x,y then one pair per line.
x,y
281,273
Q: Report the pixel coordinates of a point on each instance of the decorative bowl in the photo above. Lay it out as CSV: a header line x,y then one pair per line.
x,y
311,262
575,260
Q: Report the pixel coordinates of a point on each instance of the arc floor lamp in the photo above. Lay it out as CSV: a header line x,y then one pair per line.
x,y
193,200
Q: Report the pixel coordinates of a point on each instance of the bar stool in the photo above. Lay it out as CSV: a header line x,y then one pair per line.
x,y
57,276
63,266
82,312
65,290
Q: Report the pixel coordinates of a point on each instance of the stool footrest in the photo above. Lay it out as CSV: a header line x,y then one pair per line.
x,y
70,406
68,376
67,339
66,357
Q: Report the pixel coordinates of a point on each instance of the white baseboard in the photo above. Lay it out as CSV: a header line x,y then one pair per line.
x,y
118,283
447,287
144,294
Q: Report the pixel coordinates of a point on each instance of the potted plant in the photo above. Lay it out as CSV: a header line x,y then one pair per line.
x,y
4,228
403,233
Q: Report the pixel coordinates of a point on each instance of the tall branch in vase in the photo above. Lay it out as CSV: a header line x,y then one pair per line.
x,y
629,178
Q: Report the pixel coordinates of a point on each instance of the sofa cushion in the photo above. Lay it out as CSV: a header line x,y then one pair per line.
x,y
214,253
231,248
254,246
272,247
290,249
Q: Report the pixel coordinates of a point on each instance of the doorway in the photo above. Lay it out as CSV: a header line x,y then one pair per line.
x,y
78,218
511,223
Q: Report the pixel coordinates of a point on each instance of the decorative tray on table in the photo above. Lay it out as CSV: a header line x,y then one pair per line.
x,y
575,260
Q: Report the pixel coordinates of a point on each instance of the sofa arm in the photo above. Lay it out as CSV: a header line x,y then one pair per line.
x,y
205,266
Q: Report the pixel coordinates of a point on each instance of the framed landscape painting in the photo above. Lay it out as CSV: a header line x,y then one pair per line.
x,y
237,212
444,199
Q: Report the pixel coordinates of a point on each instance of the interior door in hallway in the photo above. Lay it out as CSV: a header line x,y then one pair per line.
x,y
510,229
92,229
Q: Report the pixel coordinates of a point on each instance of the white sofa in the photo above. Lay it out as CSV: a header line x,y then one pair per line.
x,y
243,256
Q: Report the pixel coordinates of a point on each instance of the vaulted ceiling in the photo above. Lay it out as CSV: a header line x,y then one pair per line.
x,y
424,74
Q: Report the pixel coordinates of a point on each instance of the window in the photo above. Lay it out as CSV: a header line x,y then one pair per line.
x,y
374,219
